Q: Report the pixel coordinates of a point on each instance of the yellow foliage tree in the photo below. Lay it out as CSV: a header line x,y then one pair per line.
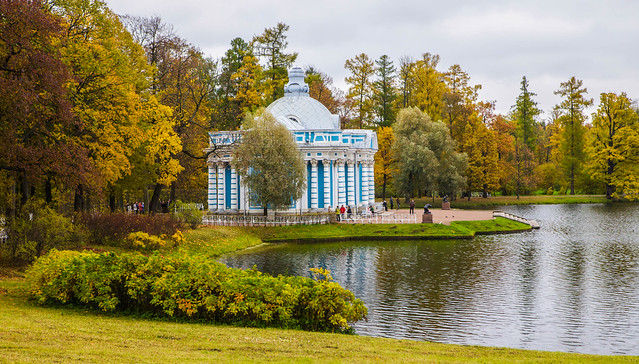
x,y
384,161
614,146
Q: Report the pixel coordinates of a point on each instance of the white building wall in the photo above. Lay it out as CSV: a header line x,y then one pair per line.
x,y
341,182
314,187
371,182
327,183
350,182
212,188
221,171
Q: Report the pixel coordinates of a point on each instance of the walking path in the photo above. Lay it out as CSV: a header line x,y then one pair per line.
x,y
439,217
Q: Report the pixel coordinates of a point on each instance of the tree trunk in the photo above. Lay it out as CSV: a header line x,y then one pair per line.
x,y
24,188
112,206
78,200
172,195
48,195
146,199
265,211
155,199
384,189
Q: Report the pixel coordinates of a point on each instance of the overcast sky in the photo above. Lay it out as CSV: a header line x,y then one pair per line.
x,y
496,42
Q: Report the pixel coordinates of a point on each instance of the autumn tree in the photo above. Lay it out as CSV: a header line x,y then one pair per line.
x,y
524,113
406,65
321,88
384,92
572,120
184,80
227,113
361,69
429,85
483,159
270,47
37,124
269,162
614,146
426,158
458,102
384,160
110,94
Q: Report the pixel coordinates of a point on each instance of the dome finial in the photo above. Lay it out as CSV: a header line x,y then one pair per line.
x,y
296,85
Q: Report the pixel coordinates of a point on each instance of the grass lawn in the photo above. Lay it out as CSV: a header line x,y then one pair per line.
x,y
458,229
32,333
478,202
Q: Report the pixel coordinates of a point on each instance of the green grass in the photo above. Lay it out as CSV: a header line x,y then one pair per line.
x,y
459,229
218,240
40,334
478,202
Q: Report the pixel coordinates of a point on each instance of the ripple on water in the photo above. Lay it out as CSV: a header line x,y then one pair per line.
x,y
571,286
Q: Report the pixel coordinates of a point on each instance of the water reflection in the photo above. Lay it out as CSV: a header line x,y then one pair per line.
x,y
571,286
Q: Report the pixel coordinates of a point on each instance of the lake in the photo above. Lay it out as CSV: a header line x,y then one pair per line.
x,y
571,286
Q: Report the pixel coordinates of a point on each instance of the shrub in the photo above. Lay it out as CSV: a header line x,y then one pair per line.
x,y
193,288
188,214
142,241
37,229
112,229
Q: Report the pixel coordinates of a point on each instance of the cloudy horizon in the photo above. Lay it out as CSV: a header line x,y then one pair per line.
x,y
495,42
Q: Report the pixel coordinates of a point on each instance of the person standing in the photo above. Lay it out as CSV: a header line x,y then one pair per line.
x,y
411,206
337,213
385,205
391,202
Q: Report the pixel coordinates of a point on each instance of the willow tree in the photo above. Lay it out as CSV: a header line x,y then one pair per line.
x,y
269,162
426,156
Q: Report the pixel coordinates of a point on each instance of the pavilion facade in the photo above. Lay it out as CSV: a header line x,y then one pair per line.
x,y
339,162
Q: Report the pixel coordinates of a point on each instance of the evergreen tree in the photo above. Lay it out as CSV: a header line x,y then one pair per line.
x,y
361,69
524,113
572,123
270,47
384,92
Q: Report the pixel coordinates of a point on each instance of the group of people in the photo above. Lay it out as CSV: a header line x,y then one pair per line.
x,y
411,205
138,207
342,213
392,204
135,208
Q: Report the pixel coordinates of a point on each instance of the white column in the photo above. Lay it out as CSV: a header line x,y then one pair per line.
x,y
313,187
350,188
341,183
327,183
365,187
212,188
371,181
234,201
221,171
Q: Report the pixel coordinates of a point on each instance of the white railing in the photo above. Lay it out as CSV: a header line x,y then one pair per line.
x,y
532,223
381,219
284,220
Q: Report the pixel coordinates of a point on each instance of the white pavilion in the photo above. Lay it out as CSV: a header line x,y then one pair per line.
x,y
339,163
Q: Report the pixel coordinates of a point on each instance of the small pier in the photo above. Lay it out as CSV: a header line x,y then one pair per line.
x,y
532,223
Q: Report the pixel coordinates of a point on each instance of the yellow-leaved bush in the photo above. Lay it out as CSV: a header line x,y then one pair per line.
x,y
193,288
